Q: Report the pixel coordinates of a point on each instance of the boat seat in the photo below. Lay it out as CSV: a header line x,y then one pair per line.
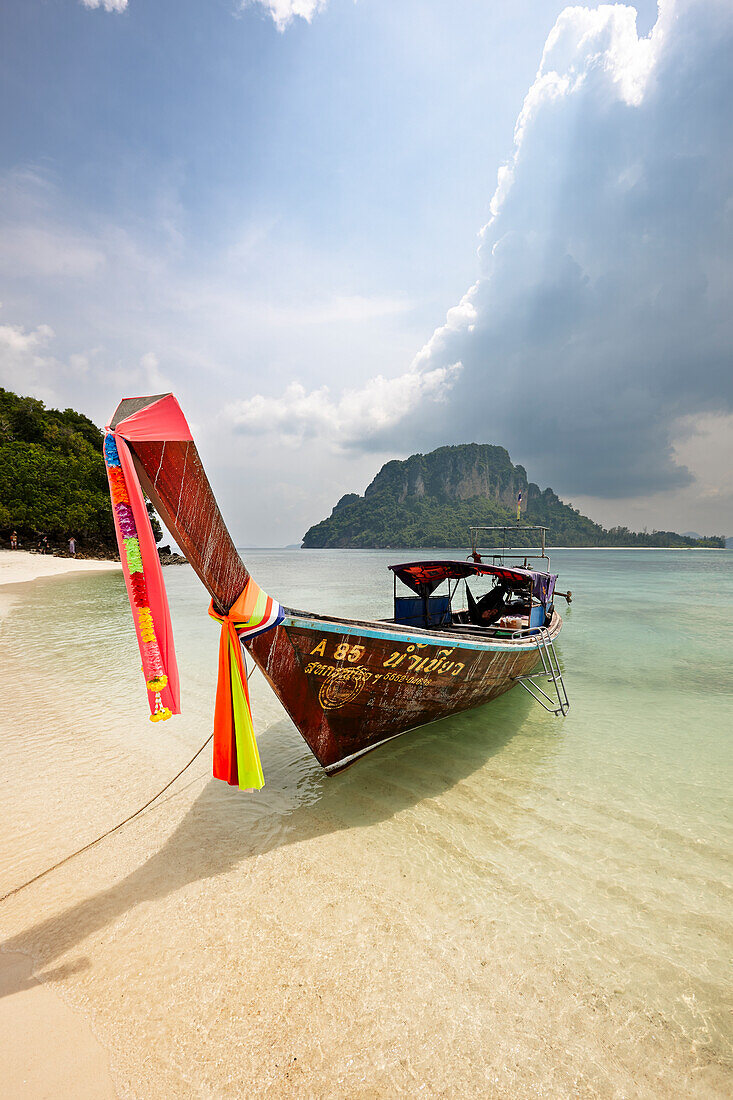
x,y
410,611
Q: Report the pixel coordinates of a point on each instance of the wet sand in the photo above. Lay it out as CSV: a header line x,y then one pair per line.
x,y
47,1050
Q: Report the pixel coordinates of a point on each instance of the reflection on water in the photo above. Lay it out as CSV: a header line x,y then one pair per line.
x,y
496,867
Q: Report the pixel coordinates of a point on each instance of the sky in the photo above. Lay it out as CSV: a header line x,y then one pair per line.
x,y
342,232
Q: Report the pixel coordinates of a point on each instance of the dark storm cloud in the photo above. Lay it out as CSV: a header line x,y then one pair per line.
x,y
604,309
603,312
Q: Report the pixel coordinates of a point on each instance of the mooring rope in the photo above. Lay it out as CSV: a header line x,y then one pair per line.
x,y
91,844
130,817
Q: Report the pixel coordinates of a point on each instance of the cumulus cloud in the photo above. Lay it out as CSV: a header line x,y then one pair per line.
x,y
25,363
30,363
601,315
112,293
108,5
299,415
283,12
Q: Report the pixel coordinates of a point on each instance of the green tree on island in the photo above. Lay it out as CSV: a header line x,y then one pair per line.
x,y
52,475
432,500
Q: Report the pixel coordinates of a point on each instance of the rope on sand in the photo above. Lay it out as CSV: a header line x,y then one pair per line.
x,y
109,832
130,817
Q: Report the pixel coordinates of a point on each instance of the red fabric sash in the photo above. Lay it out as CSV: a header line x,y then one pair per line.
x,y
236,757
163,420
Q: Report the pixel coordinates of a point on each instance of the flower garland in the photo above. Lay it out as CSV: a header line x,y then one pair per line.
x,y
153,668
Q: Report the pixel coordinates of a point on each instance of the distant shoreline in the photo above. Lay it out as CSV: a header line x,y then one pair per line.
x,y
20,566
519,549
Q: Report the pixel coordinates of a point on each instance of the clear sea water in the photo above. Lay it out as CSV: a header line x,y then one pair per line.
x,y
502,903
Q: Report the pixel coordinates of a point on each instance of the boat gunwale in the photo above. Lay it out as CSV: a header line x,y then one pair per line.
x,y
419,635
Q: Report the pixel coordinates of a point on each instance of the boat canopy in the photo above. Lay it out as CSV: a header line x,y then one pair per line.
x,y
424,577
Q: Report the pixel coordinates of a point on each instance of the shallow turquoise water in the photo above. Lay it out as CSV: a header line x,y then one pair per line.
x,y
598,846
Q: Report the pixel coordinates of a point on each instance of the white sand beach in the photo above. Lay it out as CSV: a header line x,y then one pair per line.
x,y
73,1061
497,906
18,566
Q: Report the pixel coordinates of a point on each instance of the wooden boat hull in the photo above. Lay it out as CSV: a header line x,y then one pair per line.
x,y
349,686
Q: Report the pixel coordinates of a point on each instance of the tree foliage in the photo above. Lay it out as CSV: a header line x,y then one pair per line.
x,y
52,475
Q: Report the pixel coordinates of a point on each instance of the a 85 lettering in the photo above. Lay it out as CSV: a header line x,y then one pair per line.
x,y
347,652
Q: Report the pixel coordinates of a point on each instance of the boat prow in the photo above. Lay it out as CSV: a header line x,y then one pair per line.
x,y
350,685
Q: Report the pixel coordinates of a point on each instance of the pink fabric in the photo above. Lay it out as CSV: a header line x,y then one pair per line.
x,y
162,420
157,598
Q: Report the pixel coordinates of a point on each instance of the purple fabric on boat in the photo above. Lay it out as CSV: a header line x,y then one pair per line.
x,y
543,586
126,520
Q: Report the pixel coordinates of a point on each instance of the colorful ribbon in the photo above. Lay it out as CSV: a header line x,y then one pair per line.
x,y
154,668
160,420
236,757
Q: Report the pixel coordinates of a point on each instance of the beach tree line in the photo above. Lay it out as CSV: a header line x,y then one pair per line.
x,y
52,476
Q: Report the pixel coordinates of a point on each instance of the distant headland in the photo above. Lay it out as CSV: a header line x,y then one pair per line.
x,y
432,500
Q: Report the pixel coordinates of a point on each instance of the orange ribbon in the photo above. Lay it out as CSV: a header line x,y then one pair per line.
x,y
236,757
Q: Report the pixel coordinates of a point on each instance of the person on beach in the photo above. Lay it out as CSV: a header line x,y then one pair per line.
x,y
44,544
14,540
72,546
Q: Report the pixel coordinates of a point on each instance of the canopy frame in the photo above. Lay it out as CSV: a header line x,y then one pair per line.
x,y
500,554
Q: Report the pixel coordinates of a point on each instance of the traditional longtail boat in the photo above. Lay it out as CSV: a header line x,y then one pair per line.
x,y
349,685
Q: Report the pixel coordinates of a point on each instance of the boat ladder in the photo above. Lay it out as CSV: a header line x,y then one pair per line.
x,y
551,673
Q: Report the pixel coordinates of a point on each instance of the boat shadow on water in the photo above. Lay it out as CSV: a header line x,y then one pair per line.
x,y
224,828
